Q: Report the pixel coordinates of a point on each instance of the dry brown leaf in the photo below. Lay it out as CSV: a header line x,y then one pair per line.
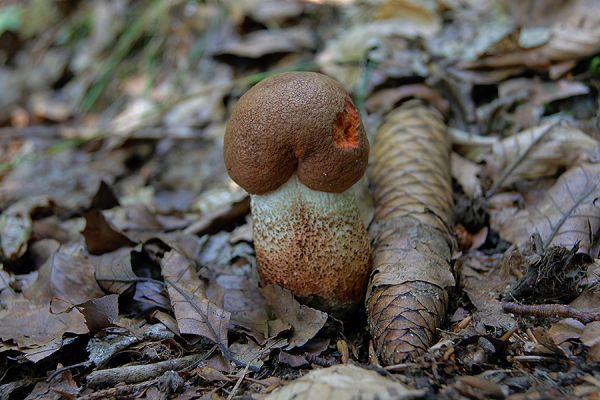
x,y
569,212
70,178
101,312
565,329
573,37
16,225
344,55
591,339
305,321
37,331
535,153
384,100
72,278
537,93
407,297
100,236
194,313
113,270
466,174
344,382
476,29
263,42
484,283
241,297
302,355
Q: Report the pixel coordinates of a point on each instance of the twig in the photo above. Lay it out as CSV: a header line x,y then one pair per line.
x,y
400,367
239,382
119,391
550,310
139,373
532,358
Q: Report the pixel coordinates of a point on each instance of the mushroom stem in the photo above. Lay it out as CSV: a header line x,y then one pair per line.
x,y
313,243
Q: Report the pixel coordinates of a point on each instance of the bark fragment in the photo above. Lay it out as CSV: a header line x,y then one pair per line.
x,y
412,242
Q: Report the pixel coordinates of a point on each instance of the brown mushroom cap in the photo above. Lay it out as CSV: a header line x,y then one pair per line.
x,y
296,122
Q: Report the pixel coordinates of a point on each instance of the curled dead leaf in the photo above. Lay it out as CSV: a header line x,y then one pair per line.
x,y
195,314
16,225
305,321
569,212
343,382
536,153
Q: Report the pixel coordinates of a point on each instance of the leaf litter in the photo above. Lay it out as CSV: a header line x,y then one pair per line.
x,y
127,251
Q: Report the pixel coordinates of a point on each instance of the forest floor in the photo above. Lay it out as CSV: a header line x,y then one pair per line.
x,y
124,245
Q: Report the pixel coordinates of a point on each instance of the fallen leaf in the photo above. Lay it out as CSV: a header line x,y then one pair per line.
x,y
72,277
16,225
384,100
474,31
536,153
100,236
343,56
303,355
242,298
572,37
466,173
591,339
484,281
569,212
100,312
565,329
344,382
305,321
37,332
194,313
71,178
113,270
263,42
249,353
537,93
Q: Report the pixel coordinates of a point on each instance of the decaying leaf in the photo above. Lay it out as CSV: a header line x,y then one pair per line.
x,y
484,281
242,298
591,338
113,270
305,321
343,57
194,313
260,43
101,312
344,382
72,278
537,93
476,29
573,37
466,173
565,329
16,225
35,330
536,153
100,236
570,213
407,297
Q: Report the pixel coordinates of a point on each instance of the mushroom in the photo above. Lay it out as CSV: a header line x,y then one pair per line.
x,y
295,142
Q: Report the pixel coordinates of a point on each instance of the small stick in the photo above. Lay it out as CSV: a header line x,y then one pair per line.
x,y
239,382
139,373
550,310
532,358
119,391
400,367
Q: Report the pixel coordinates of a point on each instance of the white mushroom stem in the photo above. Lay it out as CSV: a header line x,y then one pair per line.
x,y
313,243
